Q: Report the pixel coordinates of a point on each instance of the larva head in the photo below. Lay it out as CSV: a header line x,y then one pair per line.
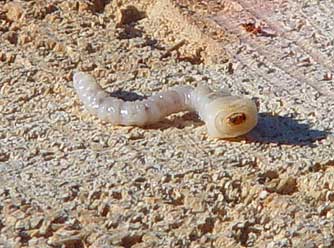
x,y
230,116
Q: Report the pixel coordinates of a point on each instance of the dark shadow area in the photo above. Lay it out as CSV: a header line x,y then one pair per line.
x,y
129,32
269,130
284,130
127,95
187,119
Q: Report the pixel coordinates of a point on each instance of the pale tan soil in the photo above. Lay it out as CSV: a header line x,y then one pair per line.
x,y
70,180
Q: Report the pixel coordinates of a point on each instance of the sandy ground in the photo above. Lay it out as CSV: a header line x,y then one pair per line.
x,y
71,180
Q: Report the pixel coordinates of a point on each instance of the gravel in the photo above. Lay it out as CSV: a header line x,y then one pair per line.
x,y
71,180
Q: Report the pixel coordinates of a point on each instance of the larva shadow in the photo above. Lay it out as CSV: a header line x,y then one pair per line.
x,y
186,119
284,130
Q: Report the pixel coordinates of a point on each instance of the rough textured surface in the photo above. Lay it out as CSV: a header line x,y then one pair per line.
x,y
70,180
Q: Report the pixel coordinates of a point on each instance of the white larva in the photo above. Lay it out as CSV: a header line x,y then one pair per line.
x,y
225,116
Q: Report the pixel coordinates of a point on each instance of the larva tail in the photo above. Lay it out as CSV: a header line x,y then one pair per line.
x,y
89,91
120,112
85,83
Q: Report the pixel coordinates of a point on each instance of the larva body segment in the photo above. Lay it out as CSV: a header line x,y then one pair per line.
x,y
225,116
